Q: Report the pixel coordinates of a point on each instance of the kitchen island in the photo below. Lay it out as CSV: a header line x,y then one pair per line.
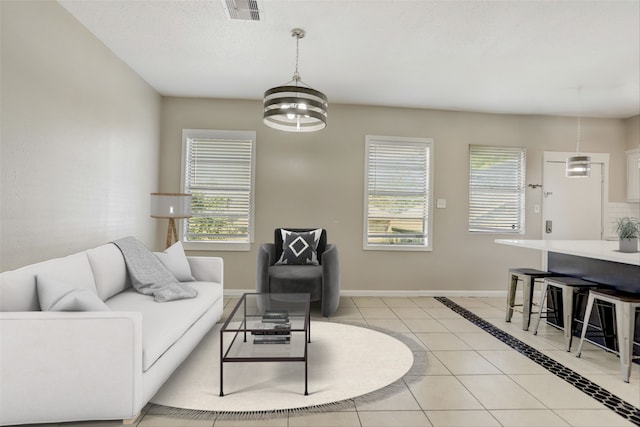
x,y
597,261
594,260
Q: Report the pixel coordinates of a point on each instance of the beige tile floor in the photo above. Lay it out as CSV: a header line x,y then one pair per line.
x,y
472,379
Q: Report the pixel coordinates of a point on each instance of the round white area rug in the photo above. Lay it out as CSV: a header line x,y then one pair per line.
x,y
345,361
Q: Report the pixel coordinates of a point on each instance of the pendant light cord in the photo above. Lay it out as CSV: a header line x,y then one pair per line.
x,y
578,142
579,120
297,35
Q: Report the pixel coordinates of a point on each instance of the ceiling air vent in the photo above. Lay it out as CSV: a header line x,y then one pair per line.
x,y
243,10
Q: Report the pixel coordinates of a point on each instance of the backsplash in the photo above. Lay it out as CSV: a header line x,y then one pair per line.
x,y
618,210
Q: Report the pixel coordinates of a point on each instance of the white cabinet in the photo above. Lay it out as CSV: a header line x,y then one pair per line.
x,y
633,175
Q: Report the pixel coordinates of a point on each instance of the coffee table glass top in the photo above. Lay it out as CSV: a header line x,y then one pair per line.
x,y
272,326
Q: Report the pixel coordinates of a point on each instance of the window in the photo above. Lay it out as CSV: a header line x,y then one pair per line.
x,y
218,171
496,189
398,183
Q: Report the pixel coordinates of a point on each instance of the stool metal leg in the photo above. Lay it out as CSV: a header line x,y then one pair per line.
x,y
625,319
511,296
527,292
567,314
543,298
585,324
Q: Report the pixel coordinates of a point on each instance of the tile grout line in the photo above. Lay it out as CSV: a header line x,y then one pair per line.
x,y
424,411
365,321
489,411
611,401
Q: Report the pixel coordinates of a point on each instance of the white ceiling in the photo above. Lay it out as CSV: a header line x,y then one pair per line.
x,y
515,56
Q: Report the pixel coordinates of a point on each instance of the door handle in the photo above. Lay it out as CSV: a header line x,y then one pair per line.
x,y
548,226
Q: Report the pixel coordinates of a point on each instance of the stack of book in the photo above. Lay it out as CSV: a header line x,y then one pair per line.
x,y
275,328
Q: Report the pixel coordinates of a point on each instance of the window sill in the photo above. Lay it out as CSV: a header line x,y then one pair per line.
x,y
217,246
405,248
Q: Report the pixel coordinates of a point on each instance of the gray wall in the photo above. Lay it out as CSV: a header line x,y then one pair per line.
x,y
317,180
80,135
633,132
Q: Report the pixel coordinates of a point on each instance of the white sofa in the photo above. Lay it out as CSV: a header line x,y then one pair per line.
x,y
58,366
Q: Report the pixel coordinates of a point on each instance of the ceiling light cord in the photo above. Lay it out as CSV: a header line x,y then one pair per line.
x,y
578,141
296,79
579,120
578,166
298,34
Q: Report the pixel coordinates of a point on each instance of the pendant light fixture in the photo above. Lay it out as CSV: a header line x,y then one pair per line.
x,y
295,107
578,166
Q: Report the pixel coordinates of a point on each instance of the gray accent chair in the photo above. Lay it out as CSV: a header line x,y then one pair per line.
x,y
321,281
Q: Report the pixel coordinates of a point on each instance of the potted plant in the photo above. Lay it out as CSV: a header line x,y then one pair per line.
x,y
628,230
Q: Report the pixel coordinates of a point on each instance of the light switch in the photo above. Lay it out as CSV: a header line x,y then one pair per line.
x,y
441,203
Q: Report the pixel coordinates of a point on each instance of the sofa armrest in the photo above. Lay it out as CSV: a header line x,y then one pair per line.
x,y
207,269
331,280
69,366
265,259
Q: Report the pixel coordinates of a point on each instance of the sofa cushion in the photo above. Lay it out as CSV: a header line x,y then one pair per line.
x,y
109,270
18,287
163,324
55,295
175,260
300,248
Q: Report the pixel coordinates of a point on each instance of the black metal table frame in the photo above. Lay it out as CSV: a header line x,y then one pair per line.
x,y
243,329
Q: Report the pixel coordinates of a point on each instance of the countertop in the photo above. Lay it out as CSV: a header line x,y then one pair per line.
x,y
598,249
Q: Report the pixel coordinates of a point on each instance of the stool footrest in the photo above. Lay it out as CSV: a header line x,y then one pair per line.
x,y
528,277
570,287
626,305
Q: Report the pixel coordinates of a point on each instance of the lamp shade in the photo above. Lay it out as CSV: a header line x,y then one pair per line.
x,y
295,109
578,167
170,205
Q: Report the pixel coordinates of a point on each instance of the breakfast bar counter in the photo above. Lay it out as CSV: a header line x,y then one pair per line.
x,y
594,260
597,261
598,249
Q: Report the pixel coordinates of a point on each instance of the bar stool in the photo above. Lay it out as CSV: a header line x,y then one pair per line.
x,y
570,286
625,305
527,276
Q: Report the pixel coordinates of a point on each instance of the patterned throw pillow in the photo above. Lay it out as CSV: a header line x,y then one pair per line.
x,y
300,248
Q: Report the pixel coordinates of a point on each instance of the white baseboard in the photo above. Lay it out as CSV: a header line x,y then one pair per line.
x,y
424,293
395,293
235,293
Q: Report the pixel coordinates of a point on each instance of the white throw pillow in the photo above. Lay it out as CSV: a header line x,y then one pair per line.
x,y
175,260
55,295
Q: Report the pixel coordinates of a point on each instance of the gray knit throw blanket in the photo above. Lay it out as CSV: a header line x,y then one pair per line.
x,y
148,275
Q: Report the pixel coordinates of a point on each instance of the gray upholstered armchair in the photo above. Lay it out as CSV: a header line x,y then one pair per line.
x,y
290,265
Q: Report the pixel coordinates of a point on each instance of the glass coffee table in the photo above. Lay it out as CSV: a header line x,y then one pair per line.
x,y
267,327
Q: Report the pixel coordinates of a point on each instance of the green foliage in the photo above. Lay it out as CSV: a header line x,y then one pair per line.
x,y
627,228
210,220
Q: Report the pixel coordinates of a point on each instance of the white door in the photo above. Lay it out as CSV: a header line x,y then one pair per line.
x,y
573,207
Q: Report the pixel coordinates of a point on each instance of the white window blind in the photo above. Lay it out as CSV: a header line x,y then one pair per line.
x,y
496,189
219,174
398,175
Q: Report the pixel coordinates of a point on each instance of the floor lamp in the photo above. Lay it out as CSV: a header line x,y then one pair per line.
x,y
172,206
